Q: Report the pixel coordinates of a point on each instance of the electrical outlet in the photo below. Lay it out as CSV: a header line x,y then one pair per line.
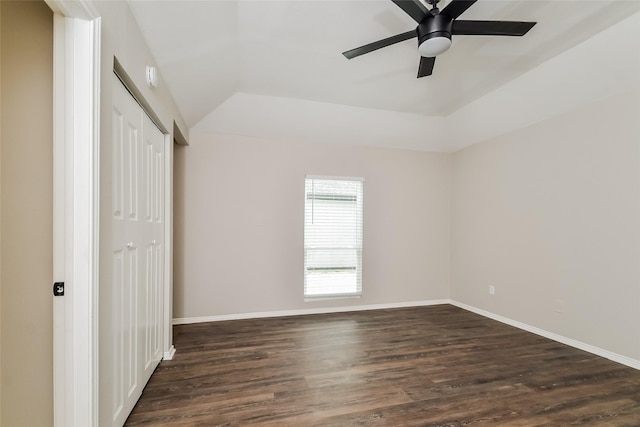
x,y
492,290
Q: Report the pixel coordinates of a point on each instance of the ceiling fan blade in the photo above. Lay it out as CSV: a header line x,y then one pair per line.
x,y
491,28
426,66
413,8
350,54
457,8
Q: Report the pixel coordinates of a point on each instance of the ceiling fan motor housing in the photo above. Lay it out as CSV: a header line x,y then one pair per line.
x,y
431,30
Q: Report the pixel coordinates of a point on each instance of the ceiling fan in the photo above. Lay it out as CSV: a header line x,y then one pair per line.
x,y
436,27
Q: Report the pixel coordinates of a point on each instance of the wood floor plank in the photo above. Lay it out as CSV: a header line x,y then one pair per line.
x,y
423,366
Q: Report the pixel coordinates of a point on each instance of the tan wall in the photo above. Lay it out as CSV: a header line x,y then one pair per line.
x,y
550,216
26,202
239,223
0,215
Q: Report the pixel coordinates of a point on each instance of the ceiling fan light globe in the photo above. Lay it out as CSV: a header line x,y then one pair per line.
x,y
434,46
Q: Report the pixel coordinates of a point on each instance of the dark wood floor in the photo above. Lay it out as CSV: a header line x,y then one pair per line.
x,y
426,366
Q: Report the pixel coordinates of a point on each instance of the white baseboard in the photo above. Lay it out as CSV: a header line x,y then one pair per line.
x,y
633,363
168,355
263,314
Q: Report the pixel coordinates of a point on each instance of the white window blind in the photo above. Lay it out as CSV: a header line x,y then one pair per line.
x,y
333,236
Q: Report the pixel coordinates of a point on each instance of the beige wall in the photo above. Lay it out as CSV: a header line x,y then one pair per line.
x,y
0,215
239,223
26,201
550,216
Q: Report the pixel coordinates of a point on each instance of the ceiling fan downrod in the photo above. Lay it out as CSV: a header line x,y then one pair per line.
x,y
434,7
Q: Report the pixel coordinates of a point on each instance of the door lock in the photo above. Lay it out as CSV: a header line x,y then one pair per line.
x,y
58,289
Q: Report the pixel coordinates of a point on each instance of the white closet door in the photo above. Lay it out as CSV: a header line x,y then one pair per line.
x,y
134,315
153,240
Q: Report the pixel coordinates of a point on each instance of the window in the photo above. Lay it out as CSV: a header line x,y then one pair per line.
x,y
332,237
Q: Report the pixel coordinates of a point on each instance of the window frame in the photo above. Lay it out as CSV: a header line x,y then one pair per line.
x,y
358,199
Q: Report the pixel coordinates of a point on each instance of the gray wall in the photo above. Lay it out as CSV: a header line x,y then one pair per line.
x,y
550,216
239,223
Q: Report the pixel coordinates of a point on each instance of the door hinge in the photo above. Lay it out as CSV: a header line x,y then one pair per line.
x,y
58,289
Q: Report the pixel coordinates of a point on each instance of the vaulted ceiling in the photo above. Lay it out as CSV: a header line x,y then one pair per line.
x,y
229,56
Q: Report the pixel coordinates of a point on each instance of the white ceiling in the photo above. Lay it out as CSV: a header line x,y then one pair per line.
x,y
222,56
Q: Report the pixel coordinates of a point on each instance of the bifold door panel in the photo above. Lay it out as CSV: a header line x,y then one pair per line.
x,y
134,302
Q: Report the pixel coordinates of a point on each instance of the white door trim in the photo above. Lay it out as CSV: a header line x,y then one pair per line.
x,y
76,210
167,333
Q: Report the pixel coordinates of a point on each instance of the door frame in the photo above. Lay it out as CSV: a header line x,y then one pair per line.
x,y
76,213
76,180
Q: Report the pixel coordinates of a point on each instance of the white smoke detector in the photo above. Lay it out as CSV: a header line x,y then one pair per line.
x,y
152,77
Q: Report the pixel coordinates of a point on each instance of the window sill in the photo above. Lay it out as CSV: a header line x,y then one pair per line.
x,y
330,297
